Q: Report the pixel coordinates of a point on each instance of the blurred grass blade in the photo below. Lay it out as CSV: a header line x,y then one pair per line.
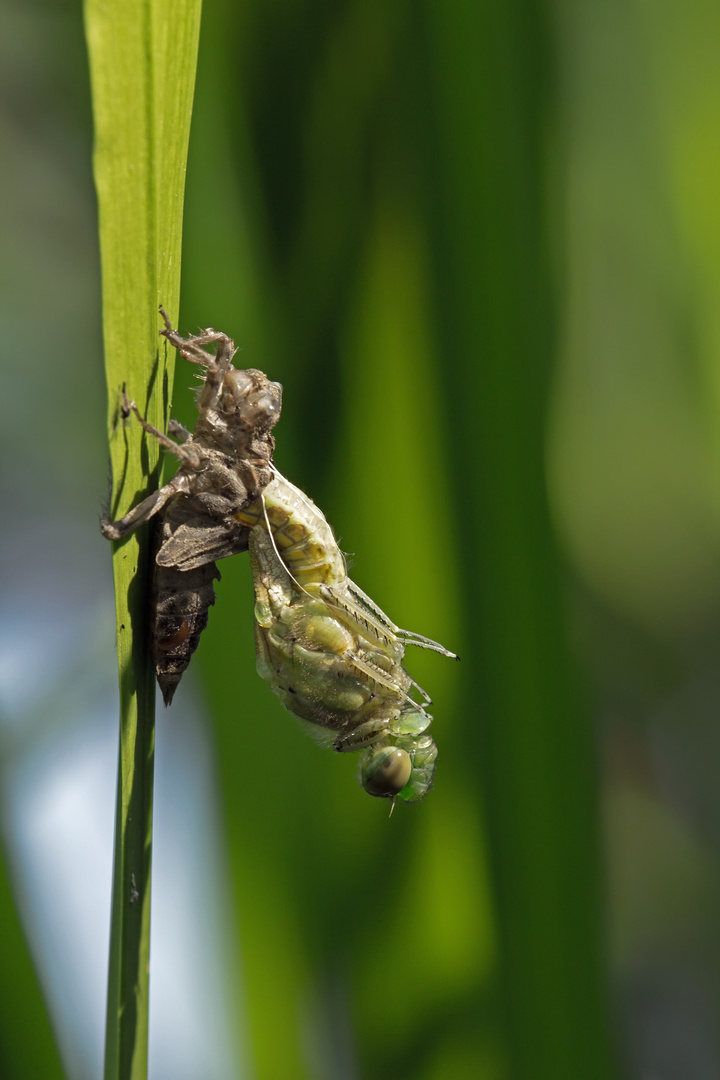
x,y
142,60
492,76
21,998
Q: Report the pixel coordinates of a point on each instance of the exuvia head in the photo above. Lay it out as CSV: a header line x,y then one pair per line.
x,y
251,397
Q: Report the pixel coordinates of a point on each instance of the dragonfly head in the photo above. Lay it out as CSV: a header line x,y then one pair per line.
x,y
403,768
386,771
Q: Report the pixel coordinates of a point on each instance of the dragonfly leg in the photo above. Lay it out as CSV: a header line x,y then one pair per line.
x,y
189,455
191,349
116,530
363,735
365,623
178,430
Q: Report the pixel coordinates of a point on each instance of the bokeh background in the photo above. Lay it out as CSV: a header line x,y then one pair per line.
x,y
479,244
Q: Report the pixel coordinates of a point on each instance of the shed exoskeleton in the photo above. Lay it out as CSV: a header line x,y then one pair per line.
x,y
225,463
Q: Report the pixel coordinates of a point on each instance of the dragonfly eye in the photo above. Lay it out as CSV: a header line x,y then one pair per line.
x,y
386,772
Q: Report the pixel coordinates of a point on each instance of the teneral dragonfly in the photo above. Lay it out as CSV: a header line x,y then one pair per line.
x,y
329,652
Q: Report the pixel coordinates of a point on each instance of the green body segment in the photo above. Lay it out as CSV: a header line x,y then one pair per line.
x,y
329,653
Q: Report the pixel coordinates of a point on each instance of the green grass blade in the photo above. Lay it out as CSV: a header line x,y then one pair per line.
x,y
21,997
142,61
533,740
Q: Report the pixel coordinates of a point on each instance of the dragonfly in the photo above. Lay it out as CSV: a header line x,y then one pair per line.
x,y
328,651
331,655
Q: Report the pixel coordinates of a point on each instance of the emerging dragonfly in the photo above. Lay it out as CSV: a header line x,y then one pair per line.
x,y
330,654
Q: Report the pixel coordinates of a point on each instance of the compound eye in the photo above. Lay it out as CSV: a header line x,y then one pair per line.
x,y
386,772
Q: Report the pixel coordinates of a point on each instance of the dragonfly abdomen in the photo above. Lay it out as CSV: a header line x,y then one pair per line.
x,y
301,535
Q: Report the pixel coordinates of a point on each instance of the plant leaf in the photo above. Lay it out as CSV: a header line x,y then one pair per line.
x,y
142,62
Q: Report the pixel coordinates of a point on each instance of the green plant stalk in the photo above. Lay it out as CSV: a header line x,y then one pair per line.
x,y
143,56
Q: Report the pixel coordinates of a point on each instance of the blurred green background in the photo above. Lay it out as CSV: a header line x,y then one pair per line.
x,y
479,244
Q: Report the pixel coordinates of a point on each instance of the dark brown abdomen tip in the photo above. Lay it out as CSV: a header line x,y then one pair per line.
x,y
168,683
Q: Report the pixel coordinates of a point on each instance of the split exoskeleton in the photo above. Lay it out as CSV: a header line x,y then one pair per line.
x,y
330,654
224,465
